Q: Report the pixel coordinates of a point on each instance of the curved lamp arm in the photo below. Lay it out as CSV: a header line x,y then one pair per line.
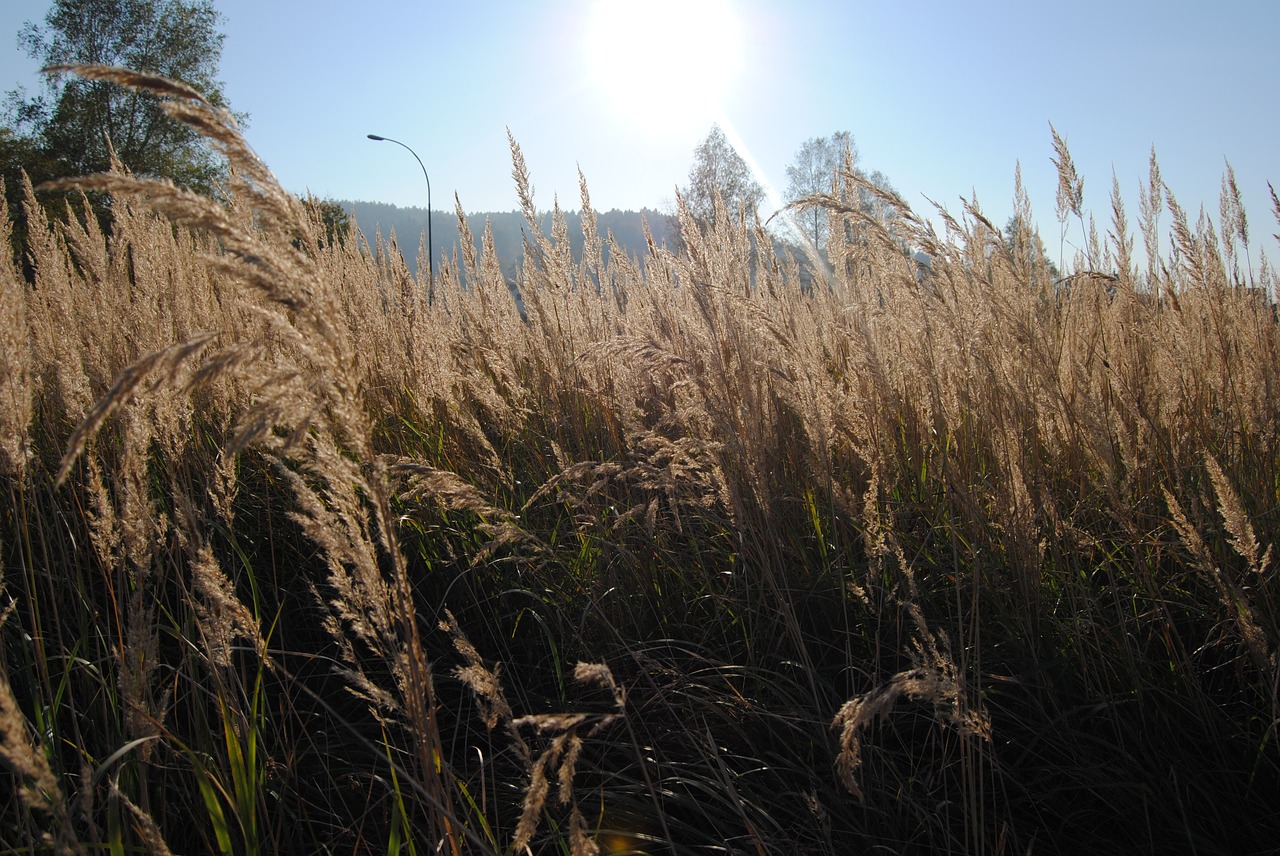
x,y
431,279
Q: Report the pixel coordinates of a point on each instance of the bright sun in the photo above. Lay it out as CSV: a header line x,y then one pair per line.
x,y
668,63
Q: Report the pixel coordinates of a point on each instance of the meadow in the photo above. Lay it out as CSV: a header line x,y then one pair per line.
x,y
716,551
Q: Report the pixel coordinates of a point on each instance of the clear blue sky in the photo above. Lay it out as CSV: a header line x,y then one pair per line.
x,y
942,97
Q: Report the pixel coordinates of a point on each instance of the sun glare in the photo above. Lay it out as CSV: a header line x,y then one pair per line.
x,y
666,64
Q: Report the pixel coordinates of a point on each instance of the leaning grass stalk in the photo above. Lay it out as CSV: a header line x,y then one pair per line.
x,y
38,787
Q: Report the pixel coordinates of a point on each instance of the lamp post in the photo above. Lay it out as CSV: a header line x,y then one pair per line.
x,y
431,278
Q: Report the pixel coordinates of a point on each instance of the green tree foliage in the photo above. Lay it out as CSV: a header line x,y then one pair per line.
x,y
333,216
76,122
72,126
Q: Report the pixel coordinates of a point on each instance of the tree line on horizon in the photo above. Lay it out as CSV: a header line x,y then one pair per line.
x,y
403,229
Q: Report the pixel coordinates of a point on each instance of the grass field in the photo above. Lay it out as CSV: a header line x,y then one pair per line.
x,y
708,552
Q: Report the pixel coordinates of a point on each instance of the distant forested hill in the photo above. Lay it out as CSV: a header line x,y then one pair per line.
x,y
409,225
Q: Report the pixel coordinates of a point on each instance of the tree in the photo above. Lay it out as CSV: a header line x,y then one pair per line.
x,y
332,217
718,168
1026,248
882,211
814,172
811,173
73,119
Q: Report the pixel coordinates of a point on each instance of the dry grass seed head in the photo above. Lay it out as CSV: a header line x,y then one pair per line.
x,y
484,683
939,687
38,787
15,357
20,749
535,798
1232,599
1234,222
1243,539
1245,543
580,841
146,825
1070,195
565,748
221,616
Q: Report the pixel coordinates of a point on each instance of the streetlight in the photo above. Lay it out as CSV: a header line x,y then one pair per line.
x,y
431,278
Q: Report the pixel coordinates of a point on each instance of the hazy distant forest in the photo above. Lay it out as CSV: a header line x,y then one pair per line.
x,y
881,541
510,230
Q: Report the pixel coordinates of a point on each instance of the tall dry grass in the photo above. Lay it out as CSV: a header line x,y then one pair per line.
x,y
717,551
